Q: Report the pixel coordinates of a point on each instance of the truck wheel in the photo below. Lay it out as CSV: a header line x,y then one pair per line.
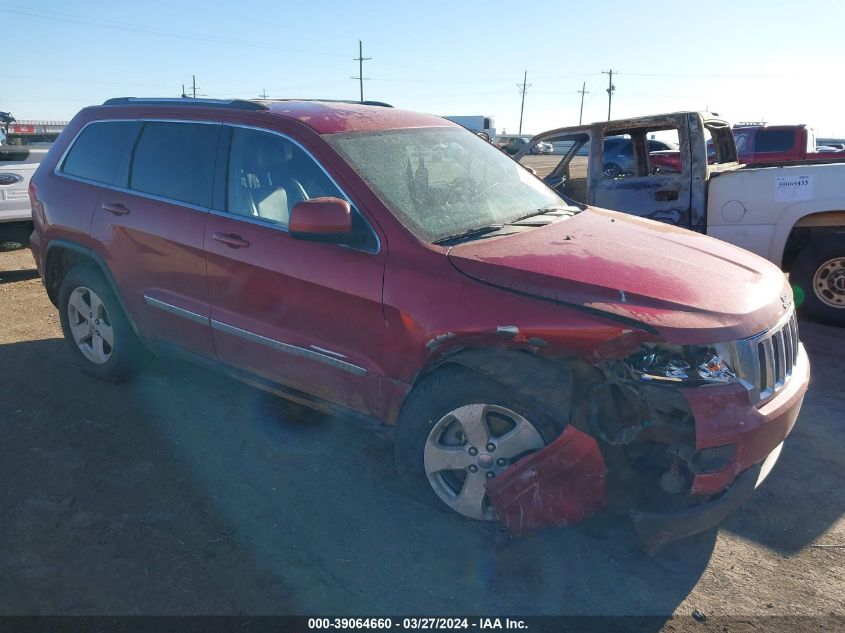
x,y
458,429
612,170
94,325
819,272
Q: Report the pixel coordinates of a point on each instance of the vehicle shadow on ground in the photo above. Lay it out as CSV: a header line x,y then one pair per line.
x,y
188,492
11,276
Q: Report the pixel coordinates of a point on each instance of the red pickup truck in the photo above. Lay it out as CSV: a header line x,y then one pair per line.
x,y
760,145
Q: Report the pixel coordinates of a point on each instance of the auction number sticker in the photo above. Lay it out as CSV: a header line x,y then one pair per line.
x,y
793,188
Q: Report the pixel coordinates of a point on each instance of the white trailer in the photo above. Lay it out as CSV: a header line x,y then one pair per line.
x,y
476,123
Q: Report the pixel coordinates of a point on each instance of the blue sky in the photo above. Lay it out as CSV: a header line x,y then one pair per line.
x,y
778,61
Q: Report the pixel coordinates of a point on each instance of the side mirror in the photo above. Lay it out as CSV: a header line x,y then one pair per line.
x,y
321,219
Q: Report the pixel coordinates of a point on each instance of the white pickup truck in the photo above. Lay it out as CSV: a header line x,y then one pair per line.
x,y
793,214
17,164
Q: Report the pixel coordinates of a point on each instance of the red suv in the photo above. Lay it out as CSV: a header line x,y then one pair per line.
x,y
395,266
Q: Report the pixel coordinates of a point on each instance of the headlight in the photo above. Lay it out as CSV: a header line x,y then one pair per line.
x,y
690,364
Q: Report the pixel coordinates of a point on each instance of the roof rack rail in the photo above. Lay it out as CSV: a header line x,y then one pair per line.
x,y
238,104
381,104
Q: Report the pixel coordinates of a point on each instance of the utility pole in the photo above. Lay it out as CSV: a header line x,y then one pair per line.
x,y
361,59
610,89
523,88
192,89
263,94
583,92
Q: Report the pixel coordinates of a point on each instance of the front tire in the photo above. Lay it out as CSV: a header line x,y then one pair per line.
x,y
818,274
99,334
458,429
612,170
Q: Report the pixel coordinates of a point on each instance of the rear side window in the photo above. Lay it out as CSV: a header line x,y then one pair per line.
x,y
176,161
101,151
774,141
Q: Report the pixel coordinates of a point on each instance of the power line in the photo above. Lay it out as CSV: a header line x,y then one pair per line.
x,y
696,75
123,26
75,80
263,94
361,59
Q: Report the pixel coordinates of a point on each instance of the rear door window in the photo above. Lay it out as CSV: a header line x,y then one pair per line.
x,y
176,161
100,152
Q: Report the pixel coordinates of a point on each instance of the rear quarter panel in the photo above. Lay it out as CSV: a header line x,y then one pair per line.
x,y
68,204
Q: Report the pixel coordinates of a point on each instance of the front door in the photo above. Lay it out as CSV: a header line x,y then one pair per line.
x,y
299,313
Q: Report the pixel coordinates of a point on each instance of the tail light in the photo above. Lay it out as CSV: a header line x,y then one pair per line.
x,y
35,203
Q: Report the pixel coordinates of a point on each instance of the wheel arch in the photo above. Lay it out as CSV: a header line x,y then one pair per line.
x,y
799,231
548,382
62,256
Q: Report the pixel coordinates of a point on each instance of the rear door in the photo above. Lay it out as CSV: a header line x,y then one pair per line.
x,y
152,224
303,314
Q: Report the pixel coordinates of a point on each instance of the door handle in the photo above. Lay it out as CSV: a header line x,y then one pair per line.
x,y
230,239
115,208
665,196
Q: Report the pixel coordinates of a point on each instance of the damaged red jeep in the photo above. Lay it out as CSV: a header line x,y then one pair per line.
x,y
540,360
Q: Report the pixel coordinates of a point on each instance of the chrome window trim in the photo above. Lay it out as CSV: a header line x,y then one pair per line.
x,y
172,309
140,194
57,170
283,227
157,198
288,348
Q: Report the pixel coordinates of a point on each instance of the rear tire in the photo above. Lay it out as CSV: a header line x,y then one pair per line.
x,y
100,336
441,422
818,277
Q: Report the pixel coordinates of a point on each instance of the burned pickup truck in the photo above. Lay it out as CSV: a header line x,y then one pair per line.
x,y
790,212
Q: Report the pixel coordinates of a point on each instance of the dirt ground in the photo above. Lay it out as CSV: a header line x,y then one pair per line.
x,y
187,493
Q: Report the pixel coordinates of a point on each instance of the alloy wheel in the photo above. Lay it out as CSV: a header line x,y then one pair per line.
x,y
90,325
471,445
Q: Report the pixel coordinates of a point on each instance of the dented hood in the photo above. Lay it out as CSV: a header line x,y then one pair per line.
x,y
688,287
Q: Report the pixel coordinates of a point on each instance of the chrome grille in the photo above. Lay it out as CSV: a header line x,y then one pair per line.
x,y
764,362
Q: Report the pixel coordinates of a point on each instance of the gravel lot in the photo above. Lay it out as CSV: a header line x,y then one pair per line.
x,y
185,492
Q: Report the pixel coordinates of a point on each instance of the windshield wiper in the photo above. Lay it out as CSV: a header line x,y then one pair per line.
x,y
466,235
540,211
